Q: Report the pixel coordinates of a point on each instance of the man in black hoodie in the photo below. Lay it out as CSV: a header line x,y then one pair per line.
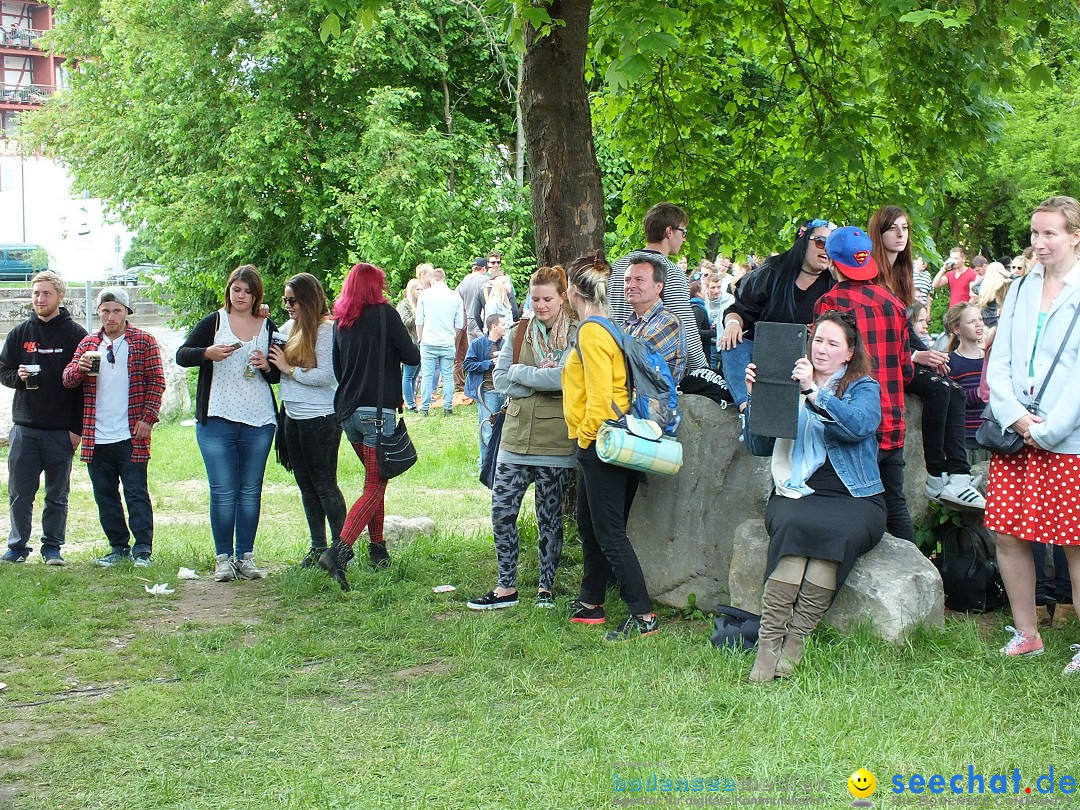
x,y
47,418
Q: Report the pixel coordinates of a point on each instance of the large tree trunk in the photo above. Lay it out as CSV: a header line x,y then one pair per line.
x,y
567,202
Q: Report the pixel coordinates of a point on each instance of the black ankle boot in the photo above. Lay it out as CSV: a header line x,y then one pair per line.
x,y
311,559
378,555
334,560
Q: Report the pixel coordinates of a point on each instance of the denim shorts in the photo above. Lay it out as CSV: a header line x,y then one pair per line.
x,y
359,426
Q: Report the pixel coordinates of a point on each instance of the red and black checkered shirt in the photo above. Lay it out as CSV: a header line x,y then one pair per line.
x,y
882,320
146,384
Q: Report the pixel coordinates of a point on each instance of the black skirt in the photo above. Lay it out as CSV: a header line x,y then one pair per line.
x,y
831,524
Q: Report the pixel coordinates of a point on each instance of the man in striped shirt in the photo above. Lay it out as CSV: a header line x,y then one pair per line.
x,y
665,234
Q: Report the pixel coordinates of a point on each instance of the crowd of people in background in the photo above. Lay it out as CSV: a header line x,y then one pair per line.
x,y
547,370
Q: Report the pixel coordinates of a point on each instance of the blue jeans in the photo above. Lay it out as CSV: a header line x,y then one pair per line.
x,y
235,458
734,362
488,403
408,385
109,468
359,426
430,356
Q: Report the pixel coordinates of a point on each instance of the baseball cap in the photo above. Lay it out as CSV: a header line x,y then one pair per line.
x,y
480,261
850,249
117,294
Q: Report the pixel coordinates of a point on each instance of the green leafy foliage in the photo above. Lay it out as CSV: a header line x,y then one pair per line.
x,y
263,132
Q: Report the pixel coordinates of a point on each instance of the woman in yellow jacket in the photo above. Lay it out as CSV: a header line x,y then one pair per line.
x,y
594,383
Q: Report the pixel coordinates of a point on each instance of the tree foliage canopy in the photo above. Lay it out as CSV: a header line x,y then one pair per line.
x,y
235,134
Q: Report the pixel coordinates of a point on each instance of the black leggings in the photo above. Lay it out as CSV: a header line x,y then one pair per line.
x,y
943,422
313,452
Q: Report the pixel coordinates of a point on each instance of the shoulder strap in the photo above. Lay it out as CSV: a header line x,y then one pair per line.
x,y
519,337
382,354
1061,348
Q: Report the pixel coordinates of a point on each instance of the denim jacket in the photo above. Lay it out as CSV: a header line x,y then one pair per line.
x,y
851,424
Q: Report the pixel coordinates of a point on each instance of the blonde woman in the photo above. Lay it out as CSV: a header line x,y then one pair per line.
x,y
312,434
990,294
407,310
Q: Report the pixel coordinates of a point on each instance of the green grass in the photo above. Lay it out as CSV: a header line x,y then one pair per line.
x,y
289,693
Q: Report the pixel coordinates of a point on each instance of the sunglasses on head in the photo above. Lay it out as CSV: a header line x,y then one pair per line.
x,y
842,315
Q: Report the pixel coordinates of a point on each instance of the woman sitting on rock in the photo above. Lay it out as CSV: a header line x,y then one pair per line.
x,y
826,508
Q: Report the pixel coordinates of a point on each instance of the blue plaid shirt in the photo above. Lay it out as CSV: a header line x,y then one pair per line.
x,y
663,331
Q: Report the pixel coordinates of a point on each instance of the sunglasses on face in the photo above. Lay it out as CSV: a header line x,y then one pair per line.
x,y
819,242
288,301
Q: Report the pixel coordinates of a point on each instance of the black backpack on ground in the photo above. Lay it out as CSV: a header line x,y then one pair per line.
x,y
969,569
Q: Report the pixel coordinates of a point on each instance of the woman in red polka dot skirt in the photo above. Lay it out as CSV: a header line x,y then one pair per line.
x,y
1034,495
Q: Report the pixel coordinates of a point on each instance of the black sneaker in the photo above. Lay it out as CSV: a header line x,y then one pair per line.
x,y
311,559
544,599
51,556
586,615
378,556
113,558
489,601
634,627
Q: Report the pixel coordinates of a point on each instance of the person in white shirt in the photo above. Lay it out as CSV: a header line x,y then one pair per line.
x,y
440,314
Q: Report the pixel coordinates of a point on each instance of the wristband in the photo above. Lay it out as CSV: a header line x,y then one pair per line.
x,y
730,321
809,391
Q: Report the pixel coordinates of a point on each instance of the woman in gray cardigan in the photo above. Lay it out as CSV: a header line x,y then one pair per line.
x,y
535,448
1034,495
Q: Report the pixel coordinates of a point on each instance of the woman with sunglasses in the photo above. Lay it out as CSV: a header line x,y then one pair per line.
x,y
366,324
312,434
948,472
236,417
784,289
826,508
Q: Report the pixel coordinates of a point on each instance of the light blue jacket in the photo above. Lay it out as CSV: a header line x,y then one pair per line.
x,y
1007,371
850,435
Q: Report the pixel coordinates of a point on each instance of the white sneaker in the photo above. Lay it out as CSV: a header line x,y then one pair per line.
x,y
959,492
224,571
245,567
934,485
1073,667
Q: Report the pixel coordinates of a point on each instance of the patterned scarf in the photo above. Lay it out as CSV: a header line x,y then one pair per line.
x,y
549,341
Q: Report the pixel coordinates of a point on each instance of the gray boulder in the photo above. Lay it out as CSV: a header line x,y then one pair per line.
x,y
176,400
683,526
894,587
397,528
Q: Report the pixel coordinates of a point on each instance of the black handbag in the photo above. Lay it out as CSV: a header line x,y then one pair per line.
x,y
396,452
992,435
281,448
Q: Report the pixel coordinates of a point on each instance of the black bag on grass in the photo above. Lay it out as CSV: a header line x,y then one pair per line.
x,y
735,629
969,570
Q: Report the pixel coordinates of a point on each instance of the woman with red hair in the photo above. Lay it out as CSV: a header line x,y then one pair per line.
x,y
366,323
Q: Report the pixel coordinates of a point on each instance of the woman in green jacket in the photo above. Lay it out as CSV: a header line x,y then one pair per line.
x,y
535,448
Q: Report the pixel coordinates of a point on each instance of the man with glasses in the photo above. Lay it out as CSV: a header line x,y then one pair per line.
x,y
665,234
119,368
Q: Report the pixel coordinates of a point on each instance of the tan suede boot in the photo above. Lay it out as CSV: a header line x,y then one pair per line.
x,y
776,606
811,605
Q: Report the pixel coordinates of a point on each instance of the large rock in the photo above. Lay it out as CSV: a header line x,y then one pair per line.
x,y
914,463
176,400
683,526
894,586
397,528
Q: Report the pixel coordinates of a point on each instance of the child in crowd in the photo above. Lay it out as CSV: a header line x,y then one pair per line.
x,y
964,324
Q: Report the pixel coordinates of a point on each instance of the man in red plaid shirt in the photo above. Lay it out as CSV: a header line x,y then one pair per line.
x,y
119,368
882,320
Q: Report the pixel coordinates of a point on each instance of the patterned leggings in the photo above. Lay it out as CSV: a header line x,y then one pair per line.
x,y
511,481
369,508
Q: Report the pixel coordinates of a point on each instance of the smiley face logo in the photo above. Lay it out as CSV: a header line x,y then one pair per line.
x,y
861,784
